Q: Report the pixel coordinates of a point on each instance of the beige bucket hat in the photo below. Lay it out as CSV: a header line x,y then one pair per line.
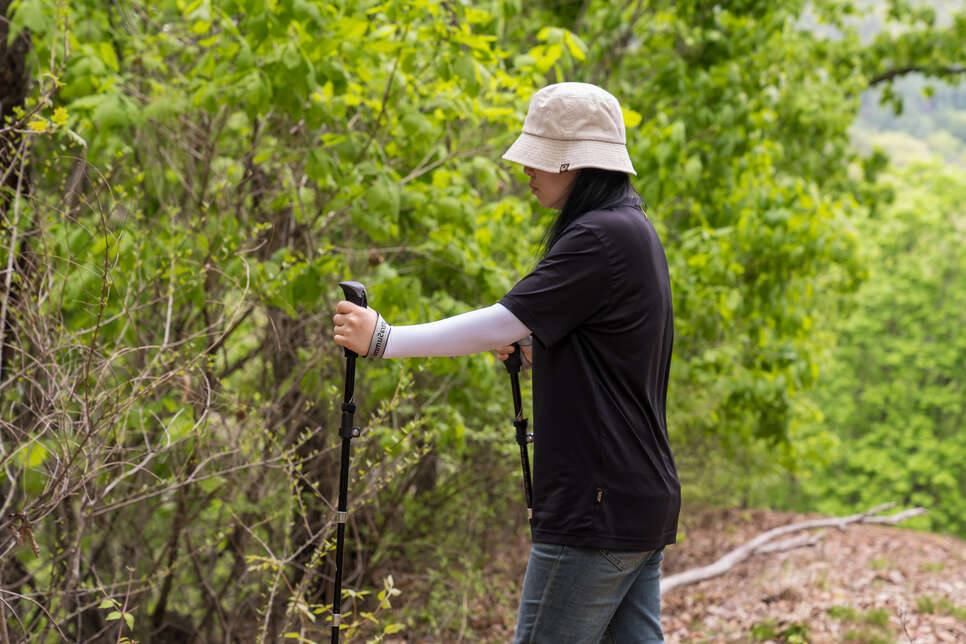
x,y
571,126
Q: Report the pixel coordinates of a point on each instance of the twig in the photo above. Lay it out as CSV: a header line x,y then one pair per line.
x,y
385,97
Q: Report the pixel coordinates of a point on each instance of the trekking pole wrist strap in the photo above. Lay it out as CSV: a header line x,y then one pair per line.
x,y
380,338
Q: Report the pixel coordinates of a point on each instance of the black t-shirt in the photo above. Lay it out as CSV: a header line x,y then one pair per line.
x,y
599,307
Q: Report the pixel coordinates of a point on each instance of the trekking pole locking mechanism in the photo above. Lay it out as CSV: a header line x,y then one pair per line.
x,y
346,430
523,436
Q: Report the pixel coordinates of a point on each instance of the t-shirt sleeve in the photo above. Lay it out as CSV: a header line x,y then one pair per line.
x,y
568,286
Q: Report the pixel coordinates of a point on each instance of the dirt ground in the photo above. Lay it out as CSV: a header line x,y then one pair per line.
x,y
871,584
868,584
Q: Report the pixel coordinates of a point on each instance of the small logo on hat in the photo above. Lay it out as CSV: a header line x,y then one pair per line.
x,y
564,167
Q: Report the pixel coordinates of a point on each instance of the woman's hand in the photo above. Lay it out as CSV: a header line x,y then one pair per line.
x,y
504,352
354,326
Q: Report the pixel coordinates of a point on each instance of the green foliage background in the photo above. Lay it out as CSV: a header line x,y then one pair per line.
x,y
893,387
203,173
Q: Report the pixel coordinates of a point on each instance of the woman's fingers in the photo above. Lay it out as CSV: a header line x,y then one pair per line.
x,y
504,352
353,326
346,307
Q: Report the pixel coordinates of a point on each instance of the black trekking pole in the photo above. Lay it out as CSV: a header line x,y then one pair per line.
x,y
513,364
355,293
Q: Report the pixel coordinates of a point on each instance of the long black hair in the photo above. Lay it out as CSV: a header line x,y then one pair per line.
x,y
593,189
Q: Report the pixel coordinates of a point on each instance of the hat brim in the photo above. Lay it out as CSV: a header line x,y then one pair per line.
x,y
550,155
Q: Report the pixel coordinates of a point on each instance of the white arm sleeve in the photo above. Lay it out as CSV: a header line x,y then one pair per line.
x,y
460,335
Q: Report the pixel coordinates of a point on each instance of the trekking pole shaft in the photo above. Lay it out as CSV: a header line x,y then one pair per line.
x,y
355,293
340,540
347,431
520,424
527,484
517,399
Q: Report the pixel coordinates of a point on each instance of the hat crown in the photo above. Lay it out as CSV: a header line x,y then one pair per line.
x,y
570,126
575,112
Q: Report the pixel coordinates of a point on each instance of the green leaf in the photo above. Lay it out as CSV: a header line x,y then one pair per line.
x,y
106,52
211,484
383,198
578,49
35,15
465,68
351,29
33,455
110,112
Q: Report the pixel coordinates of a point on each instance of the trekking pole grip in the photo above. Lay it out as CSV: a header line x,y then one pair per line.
x,y
354,292
514,361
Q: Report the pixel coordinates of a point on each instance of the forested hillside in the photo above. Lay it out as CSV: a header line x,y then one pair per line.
x,y
891,399
185,182
916,117
893,396
930,126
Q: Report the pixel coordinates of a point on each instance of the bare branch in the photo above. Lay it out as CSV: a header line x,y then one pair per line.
x,y
940,72
763,543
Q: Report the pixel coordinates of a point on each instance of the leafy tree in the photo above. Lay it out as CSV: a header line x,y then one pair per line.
x,y
210,171
205,171
893,393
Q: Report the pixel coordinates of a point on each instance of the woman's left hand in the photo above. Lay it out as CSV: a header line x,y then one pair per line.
x,y
504,352
354,326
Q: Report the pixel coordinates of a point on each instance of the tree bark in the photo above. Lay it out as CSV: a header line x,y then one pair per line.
x,y
13,65
14,171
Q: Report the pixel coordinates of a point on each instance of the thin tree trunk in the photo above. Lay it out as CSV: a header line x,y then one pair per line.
x,y
14,172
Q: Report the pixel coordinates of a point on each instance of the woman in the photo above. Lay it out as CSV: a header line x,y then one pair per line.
x,y
598,305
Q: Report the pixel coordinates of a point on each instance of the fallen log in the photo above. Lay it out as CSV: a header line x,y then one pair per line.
x,y
765,542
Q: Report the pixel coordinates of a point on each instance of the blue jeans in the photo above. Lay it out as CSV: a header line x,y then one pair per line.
x,y
576,595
